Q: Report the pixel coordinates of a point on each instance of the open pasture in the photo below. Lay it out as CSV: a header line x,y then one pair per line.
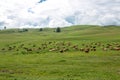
x,y
76,53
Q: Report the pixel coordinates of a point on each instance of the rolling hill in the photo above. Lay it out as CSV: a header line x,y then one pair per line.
x,y
32,55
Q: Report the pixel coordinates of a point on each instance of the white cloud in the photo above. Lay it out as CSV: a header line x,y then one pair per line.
x,y
53,13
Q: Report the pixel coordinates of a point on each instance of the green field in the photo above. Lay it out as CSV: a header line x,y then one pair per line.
x,y
47,55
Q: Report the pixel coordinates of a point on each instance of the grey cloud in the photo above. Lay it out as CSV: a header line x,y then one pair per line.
x,y
2,23
54,13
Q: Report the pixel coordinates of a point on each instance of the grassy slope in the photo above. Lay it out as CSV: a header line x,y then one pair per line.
x,y
56,66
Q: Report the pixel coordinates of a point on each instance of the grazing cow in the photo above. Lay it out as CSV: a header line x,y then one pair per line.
x,y
93,49
34,45
52,49
17,50
116,48
87,45
14,47
39,48
3,49
68,44
94,46
61,51
65,49
25,48
75,47
83,44
10,48
28,49
21,45
44,47
86,50
105,49
81,49
99,44
49,42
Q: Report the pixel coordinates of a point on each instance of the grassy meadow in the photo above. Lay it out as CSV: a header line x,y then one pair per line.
x,y
32,55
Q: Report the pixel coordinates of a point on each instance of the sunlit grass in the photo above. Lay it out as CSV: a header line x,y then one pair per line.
x,y
70,65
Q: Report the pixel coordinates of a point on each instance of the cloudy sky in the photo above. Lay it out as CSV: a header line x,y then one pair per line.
x,y
54,13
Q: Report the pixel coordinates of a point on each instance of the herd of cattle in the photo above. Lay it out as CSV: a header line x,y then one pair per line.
x,y
63,47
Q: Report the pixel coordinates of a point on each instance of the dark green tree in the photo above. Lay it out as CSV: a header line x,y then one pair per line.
x,y
25,30
58,29
5,27
41,29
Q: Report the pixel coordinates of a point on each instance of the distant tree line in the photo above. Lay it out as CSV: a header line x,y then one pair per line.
x,y
23,30
57,30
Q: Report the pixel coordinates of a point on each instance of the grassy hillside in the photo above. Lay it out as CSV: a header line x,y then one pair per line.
x,y
23,56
